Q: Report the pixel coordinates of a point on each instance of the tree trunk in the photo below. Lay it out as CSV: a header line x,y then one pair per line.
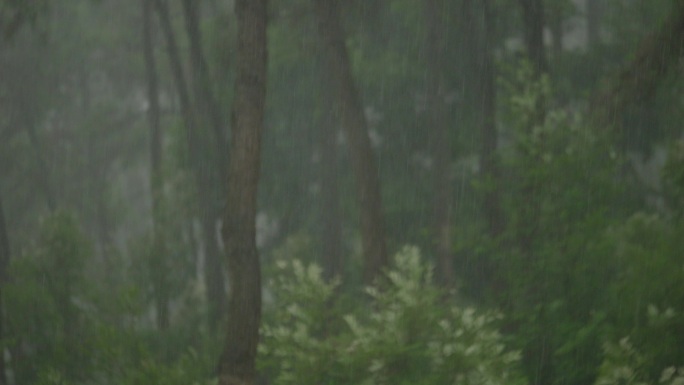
x,y
206,105
593,16
356,128
489,165
156,176
237,363
440,140
156,173
4,264
657,54
43,170
173,53
331,231
533,24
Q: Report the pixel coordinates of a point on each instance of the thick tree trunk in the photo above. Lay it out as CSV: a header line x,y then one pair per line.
x,y
356,128
4,264
440,143
237,363
206,105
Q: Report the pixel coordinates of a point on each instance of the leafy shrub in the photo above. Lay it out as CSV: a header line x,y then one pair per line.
x,y
409,332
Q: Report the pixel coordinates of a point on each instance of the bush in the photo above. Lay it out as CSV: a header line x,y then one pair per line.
x,y
409,332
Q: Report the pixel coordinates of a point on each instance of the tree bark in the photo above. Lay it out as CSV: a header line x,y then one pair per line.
x,y
440,139
206,105
237,363
356,129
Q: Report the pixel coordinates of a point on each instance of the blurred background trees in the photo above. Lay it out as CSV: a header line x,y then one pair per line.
x,y
532,150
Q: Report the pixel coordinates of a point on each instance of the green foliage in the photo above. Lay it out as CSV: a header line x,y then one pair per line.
x,y
624,365
410,335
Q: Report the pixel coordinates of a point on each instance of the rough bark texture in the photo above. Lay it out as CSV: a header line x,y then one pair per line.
x,y
638,80
4,263
237,363
212,190
440,143
355,125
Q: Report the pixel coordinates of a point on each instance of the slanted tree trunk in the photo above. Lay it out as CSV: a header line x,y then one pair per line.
x,y
440,143
353,120
658,53
237,363
211,191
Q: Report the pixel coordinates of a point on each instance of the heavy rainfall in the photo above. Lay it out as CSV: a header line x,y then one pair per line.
x,y
341,192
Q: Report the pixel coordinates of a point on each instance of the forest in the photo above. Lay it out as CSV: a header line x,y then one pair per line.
x,y
341,192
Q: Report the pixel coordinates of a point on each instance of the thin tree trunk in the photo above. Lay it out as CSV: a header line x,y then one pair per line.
x,y
237,363
4,264
207,103
440,141
593,16
489,165
331,230
207,106
156,175
356,128
43,169
173,53
533,24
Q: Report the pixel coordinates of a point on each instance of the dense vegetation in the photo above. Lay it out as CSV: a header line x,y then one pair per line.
x,y
451,191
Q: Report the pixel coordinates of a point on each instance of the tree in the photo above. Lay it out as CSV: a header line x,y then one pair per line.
x,y
354,122
637,81
209,191
237,363
440,142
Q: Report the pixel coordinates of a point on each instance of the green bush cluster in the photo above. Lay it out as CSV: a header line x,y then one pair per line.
x,y
408,331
